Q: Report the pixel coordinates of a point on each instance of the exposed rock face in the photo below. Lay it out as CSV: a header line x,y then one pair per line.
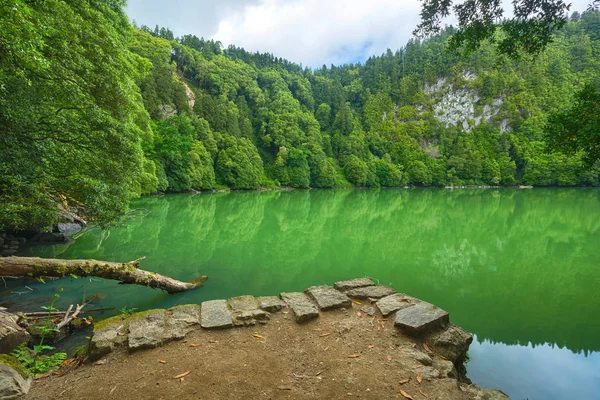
x,y
371,292
353,284
181,320
107,335
270,303
421,318
301,305
452,343
395,302
15,381
456,105
11,334
215,314
146,329
245,311
68,228
486,394
327,298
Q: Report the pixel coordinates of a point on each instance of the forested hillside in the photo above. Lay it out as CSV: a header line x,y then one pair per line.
x,y
94,112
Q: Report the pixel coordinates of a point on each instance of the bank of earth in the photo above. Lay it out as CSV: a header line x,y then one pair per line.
x,y
348,342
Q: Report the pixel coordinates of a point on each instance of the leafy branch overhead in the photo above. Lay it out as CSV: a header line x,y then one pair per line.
x,y
528,30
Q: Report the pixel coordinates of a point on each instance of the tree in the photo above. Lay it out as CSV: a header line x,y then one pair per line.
x,y
71,116
530,29
578,127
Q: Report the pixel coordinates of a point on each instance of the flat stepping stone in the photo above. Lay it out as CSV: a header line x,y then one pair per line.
x,y
270,303
108,334
303,308
146,329
245,311
353,284
327,298
181,320
214,314
395,302
371,292
421,318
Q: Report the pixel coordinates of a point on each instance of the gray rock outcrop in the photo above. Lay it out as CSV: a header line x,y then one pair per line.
x,y
15,381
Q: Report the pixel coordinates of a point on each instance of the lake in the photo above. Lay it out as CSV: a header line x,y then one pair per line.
x,y
520,269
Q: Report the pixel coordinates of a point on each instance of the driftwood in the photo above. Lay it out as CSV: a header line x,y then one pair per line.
x,y
36,314
127,273
70,316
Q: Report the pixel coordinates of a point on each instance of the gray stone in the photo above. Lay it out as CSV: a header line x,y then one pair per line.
x,y
11,334
215,314
8,252
270,303
49,237
353,284
68,228
395,302
181,320
371,292
370,311
430,373
301,305
245,311
108,334
15,381
146,329
452,343
418,356
485,394
446,368
422,318
327,298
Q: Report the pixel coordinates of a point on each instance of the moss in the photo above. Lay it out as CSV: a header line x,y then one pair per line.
x,y
13,363
142,314
116,320
199,281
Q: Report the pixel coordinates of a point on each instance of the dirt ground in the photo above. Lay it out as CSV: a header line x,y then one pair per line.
x,y
284,361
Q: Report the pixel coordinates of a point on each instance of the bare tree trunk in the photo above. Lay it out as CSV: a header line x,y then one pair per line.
x,y
33,267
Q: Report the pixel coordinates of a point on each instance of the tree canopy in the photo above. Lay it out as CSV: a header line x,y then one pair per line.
x,y
94,112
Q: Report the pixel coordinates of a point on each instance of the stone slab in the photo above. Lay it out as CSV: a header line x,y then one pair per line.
x,y
353,284
395,302
452,343
245,311
146,329
270,303
108,334
303,308
371,292
14,380
327,298
215,314
422,318
181,320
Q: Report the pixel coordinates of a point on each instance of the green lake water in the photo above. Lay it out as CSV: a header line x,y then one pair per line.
x,y
520,269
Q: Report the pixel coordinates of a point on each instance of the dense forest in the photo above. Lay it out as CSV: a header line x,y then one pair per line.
x,y
95,111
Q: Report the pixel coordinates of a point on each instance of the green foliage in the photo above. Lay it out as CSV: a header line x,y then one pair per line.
x,y
34,361
145,112
578,127
127,312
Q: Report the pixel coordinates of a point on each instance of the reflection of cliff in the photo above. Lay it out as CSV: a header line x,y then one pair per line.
x,y
511,265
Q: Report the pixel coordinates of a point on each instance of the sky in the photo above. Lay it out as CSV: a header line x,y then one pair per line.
x,y
311,32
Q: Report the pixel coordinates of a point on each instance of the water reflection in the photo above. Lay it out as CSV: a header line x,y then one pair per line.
x,y
513,266
535,372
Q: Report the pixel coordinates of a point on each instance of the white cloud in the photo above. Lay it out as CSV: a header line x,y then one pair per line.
x,y
317,32
312,32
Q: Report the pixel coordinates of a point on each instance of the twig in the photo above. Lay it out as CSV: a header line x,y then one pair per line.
x,y
68,318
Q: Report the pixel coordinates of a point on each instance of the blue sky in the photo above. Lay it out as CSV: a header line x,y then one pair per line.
x,y
311,32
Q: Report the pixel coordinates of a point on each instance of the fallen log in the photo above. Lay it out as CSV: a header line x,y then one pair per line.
x,y
126,273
